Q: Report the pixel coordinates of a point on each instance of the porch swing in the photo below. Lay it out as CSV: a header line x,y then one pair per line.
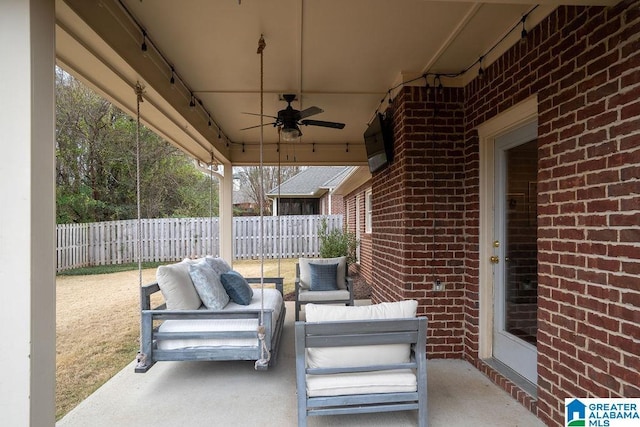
x,y
210,312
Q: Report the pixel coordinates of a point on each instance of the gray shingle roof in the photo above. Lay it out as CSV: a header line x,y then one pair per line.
x,y
336,180
312,182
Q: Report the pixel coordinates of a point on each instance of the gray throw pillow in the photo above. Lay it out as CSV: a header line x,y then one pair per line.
x,y
324,277
305,271
208,286
218,264
237,287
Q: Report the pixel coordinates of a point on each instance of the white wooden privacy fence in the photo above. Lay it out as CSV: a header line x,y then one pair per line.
x,y
171,239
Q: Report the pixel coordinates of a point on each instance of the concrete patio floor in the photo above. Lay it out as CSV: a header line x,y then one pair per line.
x,y
234,394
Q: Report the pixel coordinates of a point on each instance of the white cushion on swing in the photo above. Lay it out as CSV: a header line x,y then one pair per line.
x,y
176,286
272,301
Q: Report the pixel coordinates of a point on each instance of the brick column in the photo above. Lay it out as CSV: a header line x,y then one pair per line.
x,y
418,214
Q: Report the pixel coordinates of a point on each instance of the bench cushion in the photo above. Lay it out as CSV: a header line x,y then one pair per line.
x,y
392,381
272,301
350,356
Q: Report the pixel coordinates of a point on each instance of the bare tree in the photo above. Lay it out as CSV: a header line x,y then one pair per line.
x,y
250,177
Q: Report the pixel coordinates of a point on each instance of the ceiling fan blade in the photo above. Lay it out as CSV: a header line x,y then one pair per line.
x,y
308,112
257,126
258,114
333,125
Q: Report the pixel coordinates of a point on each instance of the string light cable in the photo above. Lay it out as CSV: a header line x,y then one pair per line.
x,y
146,46
437,77
194,102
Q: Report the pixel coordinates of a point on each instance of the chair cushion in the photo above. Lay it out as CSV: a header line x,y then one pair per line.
x,y
176,287
312,296
237,287
332,357
323,277
207,284
392,381
305,271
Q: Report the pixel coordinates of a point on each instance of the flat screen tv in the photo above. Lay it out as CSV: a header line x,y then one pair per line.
x,y
378,142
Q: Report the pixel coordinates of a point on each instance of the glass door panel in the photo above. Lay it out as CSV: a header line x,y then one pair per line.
x,y
515,251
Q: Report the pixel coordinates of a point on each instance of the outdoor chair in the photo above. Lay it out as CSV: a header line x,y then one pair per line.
x,y
322,281
364,359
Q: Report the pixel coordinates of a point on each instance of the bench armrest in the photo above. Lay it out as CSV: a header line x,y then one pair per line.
x,y
145,294
277,281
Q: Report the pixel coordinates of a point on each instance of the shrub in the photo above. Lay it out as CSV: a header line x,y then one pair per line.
x,y
337,242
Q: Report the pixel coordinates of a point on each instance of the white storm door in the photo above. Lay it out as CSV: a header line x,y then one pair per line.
x,y
515,251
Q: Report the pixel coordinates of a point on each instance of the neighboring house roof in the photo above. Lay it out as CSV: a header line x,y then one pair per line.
x,y
355,178
336,180
311,182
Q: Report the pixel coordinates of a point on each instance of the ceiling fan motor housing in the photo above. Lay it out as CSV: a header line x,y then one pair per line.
x,y
289,97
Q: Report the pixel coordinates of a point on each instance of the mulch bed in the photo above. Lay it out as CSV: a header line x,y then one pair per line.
x,y
361,290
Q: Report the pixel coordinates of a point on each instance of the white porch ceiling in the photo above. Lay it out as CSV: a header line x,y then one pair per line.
x,y
340,55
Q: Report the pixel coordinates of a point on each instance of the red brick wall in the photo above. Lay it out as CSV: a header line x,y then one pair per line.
x,y
349,207
418,215
337,205
364,267
349,213
589,212
584,65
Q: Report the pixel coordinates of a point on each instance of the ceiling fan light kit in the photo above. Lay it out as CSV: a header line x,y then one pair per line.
x,y
290,134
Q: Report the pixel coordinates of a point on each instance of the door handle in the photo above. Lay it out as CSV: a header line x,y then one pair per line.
x,y
494,259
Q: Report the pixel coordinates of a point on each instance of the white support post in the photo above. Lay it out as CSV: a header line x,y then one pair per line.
x,y
226,214
27,216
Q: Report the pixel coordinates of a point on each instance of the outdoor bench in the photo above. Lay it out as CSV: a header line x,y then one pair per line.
x,y
202,334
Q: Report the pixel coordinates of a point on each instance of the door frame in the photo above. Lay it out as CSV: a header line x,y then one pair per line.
x,y
514,117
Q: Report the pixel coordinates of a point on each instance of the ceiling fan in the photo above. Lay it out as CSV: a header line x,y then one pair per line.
x,y
290,119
